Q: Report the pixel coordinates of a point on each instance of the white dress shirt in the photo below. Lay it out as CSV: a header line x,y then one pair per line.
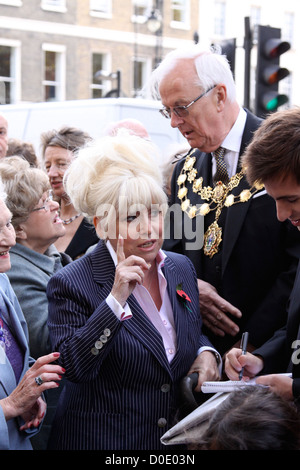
x,y
232,144
162,319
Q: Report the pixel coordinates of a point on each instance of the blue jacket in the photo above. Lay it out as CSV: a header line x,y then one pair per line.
x,y
126,397
10,436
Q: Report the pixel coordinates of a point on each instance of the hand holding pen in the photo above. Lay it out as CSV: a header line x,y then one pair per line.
x,y
244,343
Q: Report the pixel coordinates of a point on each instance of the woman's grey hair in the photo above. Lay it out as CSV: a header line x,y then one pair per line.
x,y
69,138
24,186
212,69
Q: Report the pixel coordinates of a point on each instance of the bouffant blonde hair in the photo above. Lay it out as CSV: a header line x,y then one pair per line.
x,y
114,173
24,186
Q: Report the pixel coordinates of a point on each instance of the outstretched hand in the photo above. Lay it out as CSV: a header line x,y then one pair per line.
x,y
25,400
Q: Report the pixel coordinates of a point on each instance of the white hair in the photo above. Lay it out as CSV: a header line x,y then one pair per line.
x,y
212,69
114,173
3,193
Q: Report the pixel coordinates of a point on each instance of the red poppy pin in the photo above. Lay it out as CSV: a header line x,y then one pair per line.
x,y
183,297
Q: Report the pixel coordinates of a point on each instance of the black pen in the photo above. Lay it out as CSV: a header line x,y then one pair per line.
x,y
244,343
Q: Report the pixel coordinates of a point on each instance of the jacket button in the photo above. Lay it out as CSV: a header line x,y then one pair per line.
x,y
162,422
165,388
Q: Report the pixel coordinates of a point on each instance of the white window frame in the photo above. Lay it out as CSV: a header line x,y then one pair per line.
x,y
12,3
105,84
146,70
100,12
220,18
52,5
185,8
147,5
15,69
60,70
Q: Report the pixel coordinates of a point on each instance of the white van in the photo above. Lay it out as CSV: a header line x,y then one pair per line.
x,y
26,121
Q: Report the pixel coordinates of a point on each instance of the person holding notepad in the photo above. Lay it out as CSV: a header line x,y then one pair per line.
x,y
273,158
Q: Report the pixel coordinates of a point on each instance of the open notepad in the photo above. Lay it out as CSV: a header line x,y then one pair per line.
x,y
226,386
195,423
230,385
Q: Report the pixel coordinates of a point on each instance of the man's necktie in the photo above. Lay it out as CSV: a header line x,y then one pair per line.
x,y
221,173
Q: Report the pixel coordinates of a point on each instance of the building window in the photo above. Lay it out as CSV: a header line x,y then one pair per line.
x,y
54,5
220,16
54,73
141,10
101,8
141,70
9,72
99,87
180,13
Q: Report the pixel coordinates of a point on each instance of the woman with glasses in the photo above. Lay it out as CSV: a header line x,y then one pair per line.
x,y
58,150
34,258
22,380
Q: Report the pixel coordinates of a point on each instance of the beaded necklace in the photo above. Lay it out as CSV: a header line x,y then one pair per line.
x,y
218,197
71,219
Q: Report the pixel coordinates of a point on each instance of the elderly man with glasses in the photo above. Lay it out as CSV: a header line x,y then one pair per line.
x,y
244,257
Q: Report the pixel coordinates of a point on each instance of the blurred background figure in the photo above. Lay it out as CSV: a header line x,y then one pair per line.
x,y
22,149
132,125
58,151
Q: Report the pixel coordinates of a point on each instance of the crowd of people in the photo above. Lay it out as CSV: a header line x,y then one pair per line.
x,y
124,272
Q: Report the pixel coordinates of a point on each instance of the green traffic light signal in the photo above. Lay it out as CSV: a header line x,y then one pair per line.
x,y
268,71
272,101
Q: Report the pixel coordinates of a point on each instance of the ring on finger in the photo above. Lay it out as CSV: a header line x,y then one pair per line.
x,y
39,380
219,316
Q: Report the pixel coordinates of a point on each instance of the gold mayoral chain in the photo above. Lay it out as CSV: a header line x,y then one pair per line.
x,y
218,197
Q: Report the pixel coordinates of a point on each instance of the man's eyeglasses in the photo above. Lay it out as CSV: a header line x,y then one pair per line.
x,y
181,111
46,204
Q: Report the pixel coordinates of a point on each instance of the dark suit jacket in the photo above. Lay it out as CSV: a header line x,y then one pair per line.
x,y
126,396
258,255
85,236
279,353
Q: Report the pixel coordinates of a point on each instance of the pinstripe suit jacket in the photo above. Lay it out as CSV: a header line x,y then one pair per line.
x,y
125,397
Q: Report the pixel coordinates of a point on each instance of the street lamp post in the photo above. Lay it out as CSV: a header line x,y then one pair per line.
x,y
103,75
155,26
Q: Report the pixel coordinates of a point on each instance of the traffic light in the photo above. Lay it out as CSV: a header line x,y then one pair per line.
x,y
268,71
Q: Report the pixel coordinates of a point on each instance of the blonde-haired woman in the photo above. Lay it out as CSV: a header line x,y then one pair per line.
x,y
124,331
